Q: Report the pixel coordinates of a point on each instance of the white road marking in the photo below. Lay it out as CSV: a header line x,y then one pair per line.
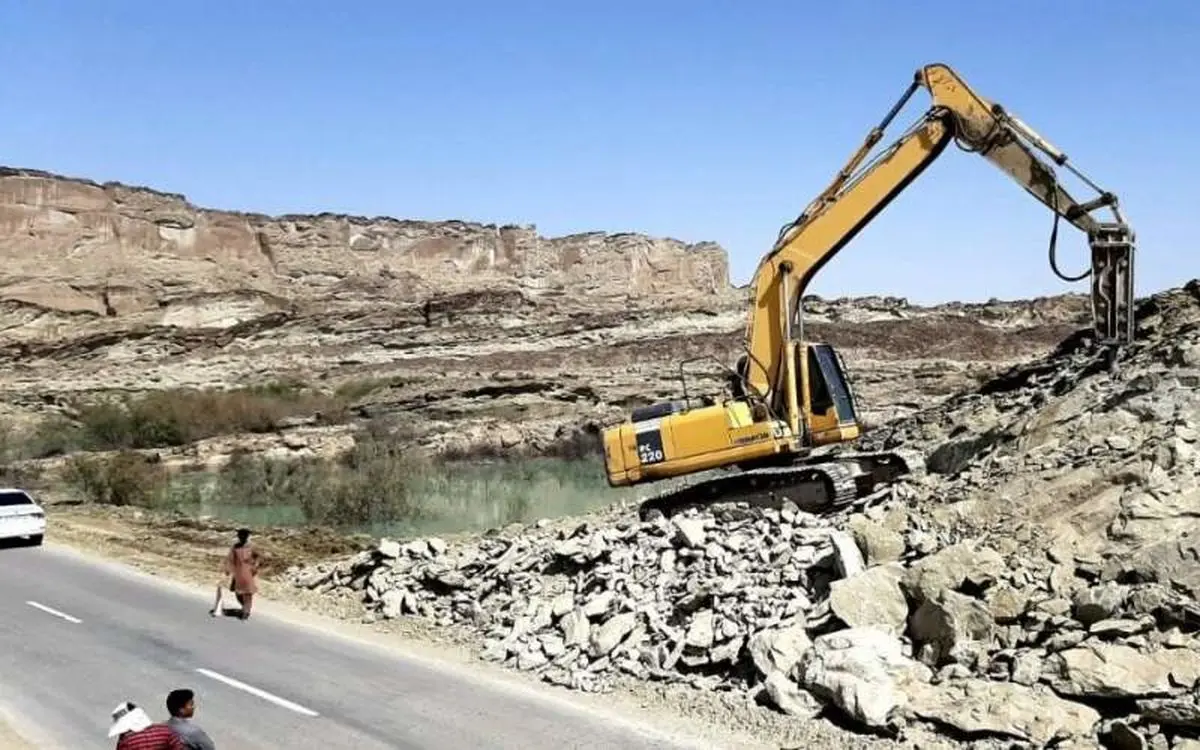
x,y
256,691
54,612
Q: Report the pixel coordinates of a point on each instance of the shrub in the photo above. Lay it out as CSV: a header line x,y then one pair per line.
x,y
354,390
126,478
55,436
371,484
177,417
21,476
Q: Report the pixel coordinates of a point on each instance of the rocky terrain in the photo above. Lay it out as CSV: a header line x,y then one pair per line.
x,y
1033,585
473,335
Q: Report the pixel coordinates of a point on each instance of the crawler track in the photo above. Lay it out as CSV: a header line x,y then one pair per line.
x,y
815,484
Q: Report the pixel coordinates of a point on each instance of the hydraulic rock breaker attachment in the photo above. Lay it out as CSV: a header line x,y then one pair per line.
x,y
1112,282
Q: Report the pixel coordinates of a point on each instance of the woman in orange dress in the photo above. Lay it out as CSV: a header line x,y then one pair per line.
x,y
241,564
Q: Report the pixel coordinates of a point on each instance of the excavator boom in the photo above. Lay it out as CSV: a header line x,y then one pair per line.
x,y
858,194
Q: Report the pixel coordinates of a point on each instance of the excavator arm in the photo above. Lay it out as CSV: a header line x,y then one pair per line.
x,y
858,193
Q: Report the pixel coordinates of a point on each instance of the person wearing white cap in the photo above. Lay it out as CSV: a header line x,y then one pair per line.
x,y
135,730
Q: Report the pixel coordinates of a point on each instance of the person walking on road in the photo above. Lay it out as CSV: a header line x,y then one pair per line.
x,y
242,564
135,731
181,704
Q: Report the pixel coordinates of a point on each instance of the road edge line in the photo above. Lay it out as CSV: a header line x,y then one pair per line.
x,y
55,612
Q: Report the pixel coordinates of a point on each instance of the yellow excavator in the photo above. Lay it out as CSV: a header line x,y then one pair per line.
x,y
791,405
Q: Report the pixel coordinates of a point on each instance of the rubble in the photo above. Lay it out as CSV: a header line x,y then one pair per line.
x,y
1121,671
1035,715
863,671
872,597
1036,585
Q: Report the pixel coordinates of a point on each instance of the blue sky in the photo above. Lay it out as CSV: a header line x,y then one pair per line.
x,y
706,120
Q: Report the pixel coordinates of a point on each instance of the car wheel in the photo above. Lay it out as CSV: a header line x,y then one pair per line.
x,y
35,540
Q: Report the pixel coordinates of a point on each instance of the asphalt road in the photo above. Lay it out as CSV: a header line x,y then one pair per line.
x,y
78,637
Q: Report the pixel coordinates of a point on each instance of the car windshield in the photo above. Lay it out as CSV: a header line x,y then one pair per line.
x,y
14,498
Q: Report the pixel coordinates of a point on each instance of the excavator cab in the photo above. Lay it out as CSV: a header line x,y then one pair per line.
x,y
828,410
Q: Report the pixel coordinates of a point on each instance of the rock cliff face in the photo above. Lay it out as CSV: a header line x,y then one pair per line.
x,y
474,334
110,249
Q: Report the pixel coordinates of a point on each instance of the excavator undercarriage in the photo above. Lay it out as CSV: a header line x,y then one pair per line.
x,y
813,483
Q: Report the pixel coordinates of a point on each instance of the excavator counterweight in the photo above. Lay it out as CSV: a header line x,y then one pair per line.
x,y
792,410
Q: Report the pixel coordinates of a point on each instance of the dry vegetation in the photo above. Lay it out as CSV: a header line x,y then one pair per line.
x,y
382,485
162,419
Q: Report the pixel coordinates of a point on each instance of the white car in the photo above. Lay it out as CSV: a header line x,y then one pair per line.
x,y
21,517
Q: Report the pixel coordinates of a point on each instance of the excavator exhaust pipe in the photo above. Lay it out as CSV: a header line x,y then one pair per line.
x,y
1112,283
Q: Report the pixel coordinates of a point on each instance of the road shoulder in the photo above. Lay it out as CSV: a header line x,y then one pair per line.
x,y
16,735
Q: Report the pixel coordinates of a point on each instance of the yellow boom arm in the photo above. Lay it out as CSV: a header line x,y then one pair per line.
x,y
856,196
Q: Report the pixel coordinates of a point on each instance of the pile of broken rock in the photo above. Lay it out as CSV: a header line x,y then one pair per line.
x,y
1036,584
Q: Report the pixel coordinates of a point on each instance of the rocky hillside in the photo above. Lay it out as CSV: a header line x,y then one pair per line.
x,y
1035,586
474,335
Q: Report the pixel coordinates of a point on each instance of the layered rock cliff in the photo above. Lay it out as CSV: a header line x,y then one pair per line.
x,y
76,245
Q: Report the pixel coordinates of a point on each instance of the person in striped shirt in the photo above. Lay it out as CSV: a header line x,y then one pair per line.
x,y
134,730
